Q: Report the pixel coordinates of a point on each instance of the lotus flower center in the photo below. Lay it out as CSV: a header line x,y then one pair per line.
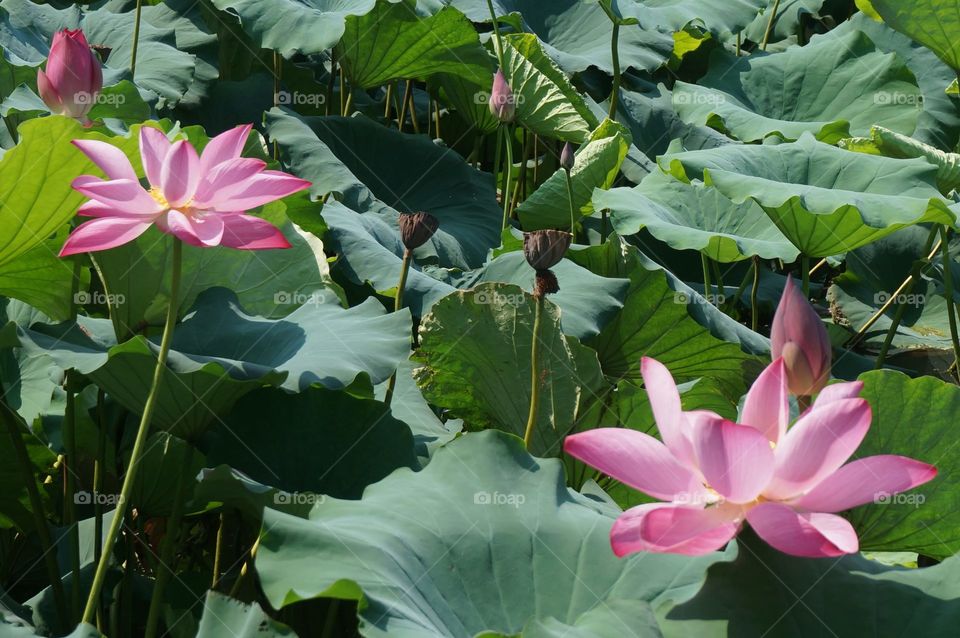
x,y
187,209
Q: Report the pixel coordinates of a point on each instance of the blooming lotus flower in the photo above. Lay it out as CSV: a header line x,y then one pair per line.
x,y
716,474
502,102
199,199
73,77
800,338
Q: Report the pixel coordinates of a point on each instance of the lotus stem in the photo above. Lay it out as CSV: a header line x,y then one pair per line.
x,y
896,294
217,553
739,44
436,121
820,264
496,33
615,53
508,146
754,314
143,431
397,305
136,39
773,17
389,97
98,470
534,373
805,267
168,548
348,107
707,286
902,307
14,424
573,223
343,91
330,80
69,491
721,290
403,105
603,226
948,284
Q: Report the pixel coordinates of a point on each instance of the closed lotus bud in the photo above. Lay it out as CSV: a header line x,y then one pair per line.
x,y
73,77
416,229
566,157
502,103
799,336
544,249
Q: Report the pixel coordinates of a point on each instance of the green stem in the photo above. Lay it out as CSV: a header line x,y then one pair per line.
x,y
136,39
948,283
70,490
403,105
773,17
330,81
413,112
805,267
603,226
754,314
168,548
349,105
496,33
721,291
573,223
707,286
98,470
389,97
508,145
143,431
397,305
534,373
217,553
14,425
615,51
739,44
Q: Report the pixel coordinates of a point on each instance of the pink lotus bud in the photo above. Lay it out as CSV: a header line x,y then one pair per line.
x,y
73,78
502,102
567,159
799,336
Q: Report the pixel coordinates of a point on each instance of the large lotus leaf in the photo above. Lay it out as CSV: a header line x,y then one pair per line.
x,y
914,418
469,99
657,322
827,201
167,54
586,301
220,353
929,22
881,141
41,279
820,88
381,172
874,273
597,165
766,593
370,251
318,441
939,122
723,18
224,616
296,26
475,361
547,103
616,258
695,217
392,42
432,573
576,34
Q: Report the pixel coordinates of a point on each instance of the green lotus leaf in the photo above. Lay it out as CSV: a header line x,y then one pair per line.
x,y
818,88
929,22
759,592
881,141
382,172
474,359
695,217
432,573
596,166
827,201
224,616
392,42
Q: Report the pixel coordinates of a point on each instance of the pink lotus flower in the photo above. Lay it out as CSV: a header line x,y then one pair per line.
x,y
800,338
199,199
503,104
716,474
73,77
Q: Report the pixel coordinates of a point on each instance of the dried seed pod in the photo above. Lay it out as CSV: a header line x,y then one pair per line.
x,y
545,248
416,229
